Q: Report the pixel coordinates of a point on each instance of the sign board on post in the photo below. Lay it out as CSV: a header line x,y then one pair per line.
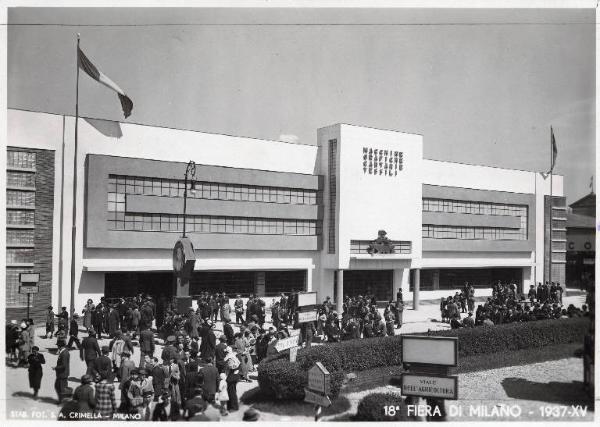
x,y
293,354
427,385
316,398
29,289
425,350
319,379
29,277
286,343
307,316
307,298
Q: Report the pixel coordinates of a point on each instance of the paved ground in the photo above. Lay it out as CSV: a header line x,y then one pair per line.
x,y
21,405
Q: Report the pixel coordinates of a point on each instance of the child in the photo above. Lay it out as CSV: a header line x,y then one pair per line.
x,y
222,396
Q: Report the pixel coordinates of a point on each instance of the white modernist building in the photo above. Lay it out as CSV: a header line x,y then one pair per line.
x,y
267,217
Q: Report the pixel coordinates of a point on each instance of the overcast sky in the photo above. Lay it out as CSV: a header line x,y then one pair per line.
x,y
482,86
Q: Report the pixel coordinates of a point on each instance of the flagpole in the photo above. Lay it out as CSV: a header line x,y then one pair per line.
x,y
551,206
74,224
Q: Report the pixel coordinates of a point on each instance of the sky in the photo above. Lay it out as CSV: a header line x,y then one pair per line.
x,y
483,86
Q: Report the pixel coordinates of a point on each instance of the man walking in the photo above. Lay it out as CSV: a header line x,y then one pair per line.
x,y
89,350
146,345
62,370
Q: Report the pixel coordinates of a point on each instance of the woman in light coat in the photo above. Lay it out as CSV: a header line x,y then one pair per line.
x,y
24,344
87,311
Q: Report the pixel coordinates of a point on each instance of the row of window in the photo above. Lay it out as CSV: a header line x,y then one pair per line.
x,y
213,224
470,207
19,217
20,198
472,233
361,247
20,179
20,159
19,237
332,177
19,256
210,190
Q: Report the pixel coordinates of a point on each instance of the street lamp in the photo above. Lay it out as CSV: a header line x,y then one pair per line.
x,y
184,257
190,174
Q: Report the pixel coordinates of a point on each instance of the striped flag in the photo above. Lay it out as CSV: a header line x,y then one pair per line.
x,y
86,65
554,149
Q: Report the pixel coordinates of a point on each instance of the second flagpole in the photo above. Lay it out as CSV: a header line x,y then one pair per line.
x,y
74,219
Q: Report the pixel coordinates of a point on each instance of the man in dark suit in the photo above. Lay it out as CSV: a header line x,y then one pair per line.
x,y
113,321
158,378
62,369
103,365
220,353
208,377
209,343
89,350
146,345
228,332
169,351
167,410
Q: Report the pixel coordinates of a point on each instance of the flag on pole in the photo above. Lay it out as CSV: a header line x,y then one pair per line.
x,y
554,149
86,65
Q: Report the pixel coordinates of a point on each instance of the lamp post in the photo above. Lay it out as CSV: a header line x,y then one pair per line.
x,y
190,174
184,257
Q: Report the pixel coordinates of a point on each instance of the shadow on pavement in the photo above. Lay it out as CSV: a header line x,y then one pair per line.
x,y
554,392
39,399
291,407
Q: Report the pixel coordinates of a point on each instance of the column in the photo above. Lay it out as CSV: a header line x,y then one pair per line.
x,y
308,280
417,285
259,283
339,298
397,280
436,280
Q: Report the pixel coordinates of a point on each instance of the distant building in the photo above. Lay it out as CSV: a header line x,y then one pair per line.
x,y
581,243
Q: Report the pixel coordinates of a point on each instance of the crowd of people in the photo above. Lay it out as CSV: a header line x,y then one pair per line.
x,y
360,318
196,373
506,305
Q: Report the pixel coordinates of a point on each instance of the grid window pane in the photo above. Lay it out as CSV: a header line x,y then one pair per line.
x,y
21,159
20,179
20,198
16,217
19,237
19,256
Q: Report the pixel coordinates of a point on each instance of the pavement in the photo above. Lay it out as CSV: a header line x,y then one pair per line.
x,y
21,405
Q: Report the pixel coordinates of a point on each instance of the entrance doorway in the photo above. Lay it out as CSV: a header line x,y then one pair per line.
x,y
362,282
129,284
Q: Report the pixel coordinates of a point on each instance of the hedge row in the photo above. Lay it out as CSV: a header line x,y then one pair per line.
x,y
284,380
518,336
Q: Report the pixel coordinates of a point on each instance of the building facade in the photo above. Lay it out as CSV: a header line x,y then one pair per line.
x,y
29,220
581,243
268,217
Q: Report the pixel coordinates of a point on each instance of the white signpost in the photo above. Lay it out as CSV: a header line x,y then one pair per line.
x,y
307,299
319,386
429,386
29,285
429,359
425,350
307,316
286,343
318,378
